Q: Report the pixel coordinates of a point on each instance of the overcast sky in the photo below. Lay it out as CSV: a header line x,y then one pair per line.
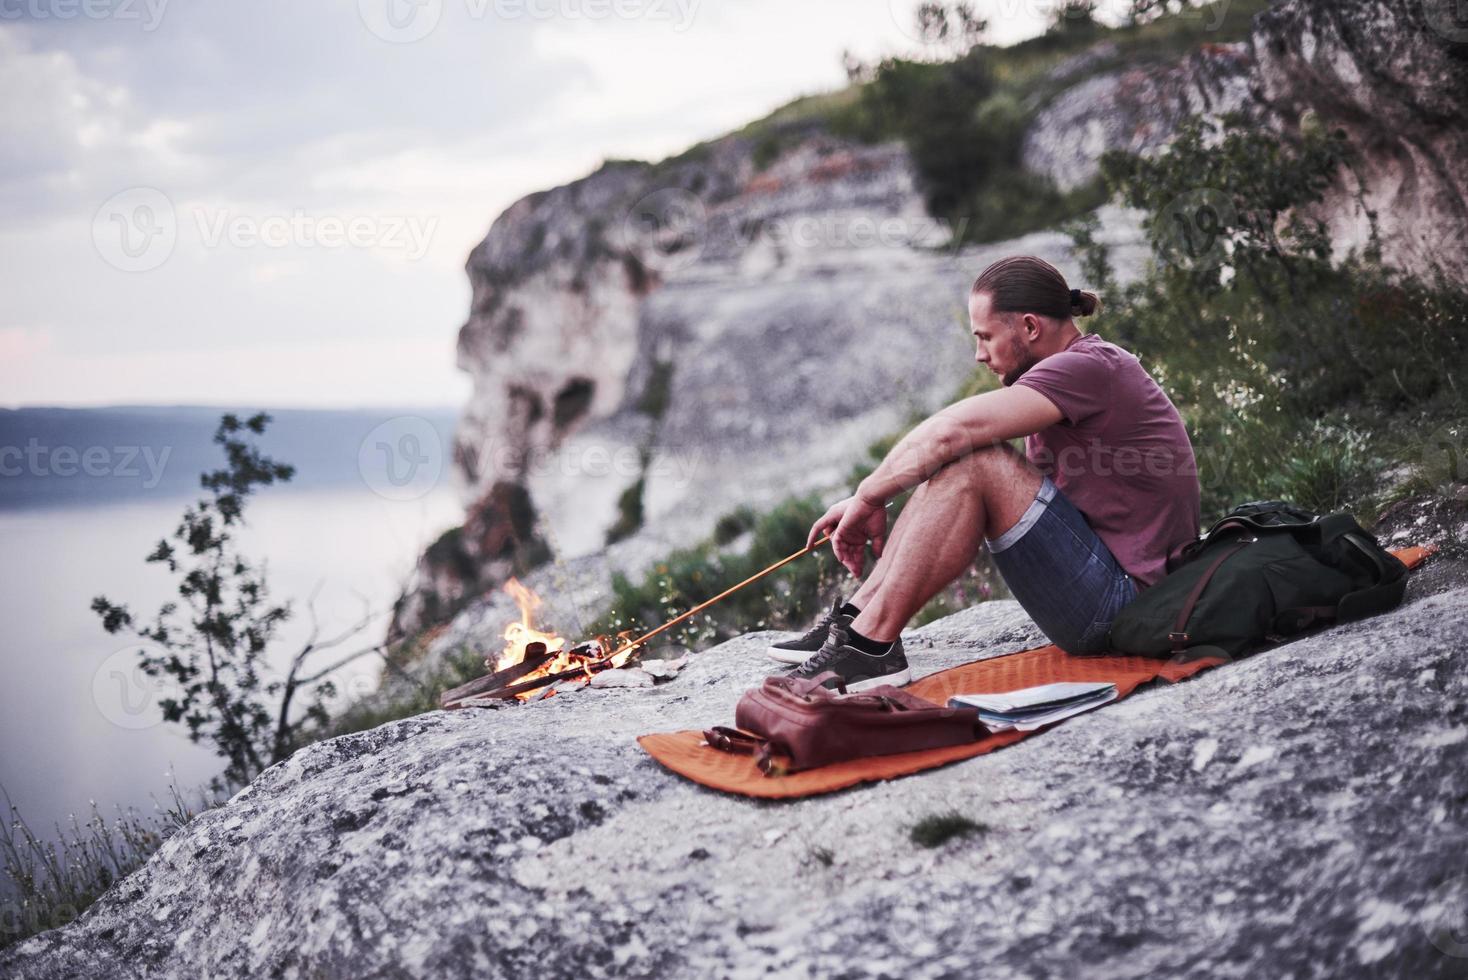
x,y
270,201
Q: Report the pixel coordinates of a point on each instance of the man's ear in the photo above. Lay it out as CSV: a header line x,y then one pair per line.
x,y
1032,327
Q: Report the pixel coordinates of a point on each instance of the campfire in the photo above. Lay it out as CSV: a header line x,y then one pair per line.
x,y
535,663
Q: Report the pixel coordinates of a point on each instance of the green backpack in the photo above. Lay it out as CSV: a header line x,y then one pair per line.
x,y
1268,570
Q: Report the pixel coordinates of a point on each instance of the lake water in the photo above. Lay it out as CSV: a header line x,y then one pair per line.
x,y
77,722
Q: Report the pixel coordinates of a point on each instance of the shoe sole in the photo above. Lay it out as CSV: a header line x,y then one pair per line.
x,y
898,679
783,656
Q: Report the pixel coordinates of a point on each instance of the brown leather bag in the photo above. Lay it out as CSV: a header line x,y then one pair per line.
x,y
789,724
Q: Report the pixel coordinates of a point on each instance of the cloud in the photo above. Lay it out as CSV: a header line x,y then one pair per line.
x,y
278,113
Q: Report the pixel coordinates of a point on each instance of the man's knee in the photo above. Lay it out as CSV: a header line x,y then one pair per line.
x,y
977,467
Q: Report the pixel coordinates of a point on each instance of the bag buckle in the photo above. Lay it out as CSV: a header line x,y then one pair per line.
x,y
1178,637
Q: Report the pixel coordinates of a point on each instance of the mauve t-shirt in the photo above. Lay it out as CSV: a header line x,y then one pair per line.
x,y
1120,453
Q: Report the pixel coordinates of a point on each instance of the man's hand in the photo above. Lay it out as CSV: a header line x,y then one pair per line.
x,y
852,523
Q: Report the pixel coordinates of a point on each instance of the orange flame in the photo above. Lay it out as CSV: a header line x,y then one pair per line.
x,y
521,634
600,654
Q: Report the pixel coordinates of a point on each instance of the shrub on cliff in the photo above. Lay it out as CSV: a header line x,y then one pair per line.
x,y
1289,365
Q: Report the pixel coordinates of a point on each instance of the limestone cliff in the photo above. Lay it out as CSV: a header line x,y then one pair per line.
x,y
1393,76
1133,109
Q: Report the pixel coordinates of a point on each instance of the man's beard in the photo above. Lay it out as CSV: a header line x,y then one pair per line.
x,y
1026,360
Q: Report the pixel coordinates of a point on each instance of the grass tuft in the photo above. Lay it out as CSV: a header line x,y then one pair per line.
x,y
48,884
939,829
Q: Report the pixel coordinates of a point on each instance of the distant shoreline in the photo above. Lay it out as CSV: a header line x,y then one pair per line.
x,y
61,458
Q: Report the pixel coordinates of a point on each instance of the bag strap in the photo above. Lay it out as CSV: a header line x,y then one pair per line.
x,y
732,740
1179,635
736,742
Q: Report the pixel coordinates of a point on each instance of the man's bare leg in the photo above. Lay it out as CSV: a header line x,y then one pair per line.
x,y
939,535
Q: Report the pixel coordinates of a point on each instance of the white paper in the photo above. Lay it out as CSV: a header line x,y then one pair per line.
x,y
1045,695
1035,707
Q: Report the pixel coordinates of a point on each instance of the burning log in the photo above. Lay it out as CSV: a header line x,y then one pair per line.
x,y
524,689
583,661
536,656
533,660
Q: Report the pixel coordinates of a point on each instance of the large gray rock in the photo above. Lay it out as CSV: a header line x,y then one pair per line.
x,y
1297,813
1135,110
1392,75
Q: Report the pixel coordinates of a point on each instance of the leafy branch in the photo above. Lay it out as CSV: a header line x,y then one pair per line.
x,y
212,643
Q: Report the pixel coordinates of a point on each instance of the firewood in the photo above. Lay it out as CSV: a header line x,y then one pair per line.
x,y
534,659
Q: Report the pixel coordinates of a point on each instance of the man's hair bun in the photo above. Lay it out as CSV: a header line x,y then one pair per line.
x,y
1083,302
1029,284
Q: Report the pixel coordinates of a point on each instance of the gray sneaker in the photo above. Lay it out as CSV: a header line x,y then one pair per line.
x,y
800,648
859,671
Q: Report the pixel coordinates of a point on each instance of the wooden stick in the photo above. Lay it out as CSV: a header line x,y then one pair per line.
x,y
508,691
486,688
722,595
500,678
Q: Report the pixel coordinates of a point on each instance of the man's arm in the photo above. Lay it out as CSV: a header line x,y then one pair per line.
x,y
956,431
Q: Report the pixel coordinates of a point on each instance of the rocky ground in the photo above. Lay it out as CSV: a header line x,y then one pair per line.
x,y
1300,812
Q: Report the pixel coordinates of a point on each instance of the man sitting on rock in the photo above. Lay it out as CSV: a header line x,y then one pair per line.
x,y
1105,493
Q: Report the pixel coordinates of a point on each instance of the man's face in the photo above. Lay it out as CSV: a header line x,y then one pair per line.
x,y
1001,344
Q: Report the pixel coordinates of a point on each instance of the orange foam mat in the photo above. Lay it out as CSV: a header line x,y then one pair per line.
x,y
686,753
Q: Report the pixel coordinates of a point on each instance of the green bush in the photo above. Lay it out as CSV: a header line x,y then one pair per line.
x,y
629,512
931,107
1290,367
965,135
733,524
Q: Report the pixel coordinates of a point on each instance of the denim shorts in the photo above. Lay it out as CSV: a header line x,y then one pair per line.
x,y
1062,573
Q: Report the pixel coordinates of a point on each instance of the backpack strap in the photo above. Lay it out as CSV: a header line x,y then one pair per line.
x,y
1179,636
732,740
